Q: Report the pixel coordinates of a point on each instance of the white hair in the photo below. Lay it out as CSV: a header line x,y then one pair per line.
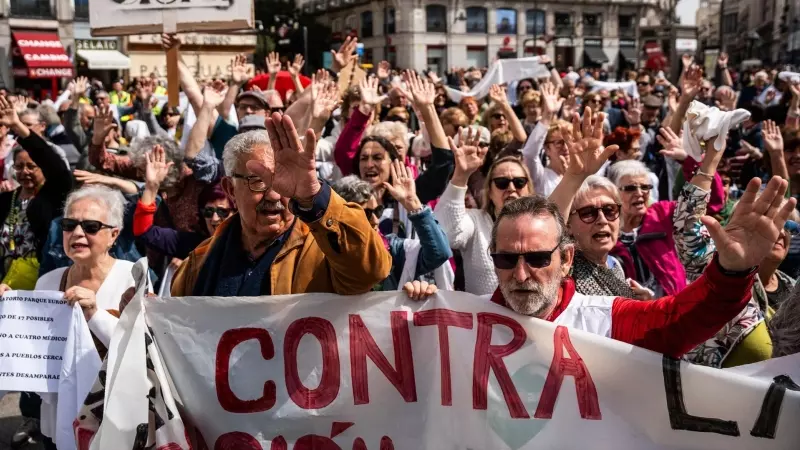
x,y
391,131
241,144
629,168
597,182
172,153
111,200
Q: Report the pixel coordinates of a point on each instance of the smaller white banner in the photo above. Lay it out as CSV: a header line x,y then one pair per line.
x,y
35,326
139,5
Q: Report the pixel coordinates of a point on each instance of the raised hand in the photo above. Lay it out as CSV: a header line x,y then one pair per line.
x,y
325,97
239,68
673,98
692,82
585,144
754,226
103,124
212,98
384,69
85,177
497,94
403,188
633,115
157,168
273,63
687,60
722,60
81,84
544,59
369,93
294,174
469,155
170,40
345,55
297,65
773,140
672,143
322,76
551,101
8,114
727,101
422,91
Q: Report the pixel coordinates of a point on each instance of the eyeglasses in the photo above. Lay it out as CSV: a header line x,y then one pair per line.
x,y
536,260
20,167
589,214
633,187
498,116
255,183
88,226
557,142
377,212
503,182
209,211
643,83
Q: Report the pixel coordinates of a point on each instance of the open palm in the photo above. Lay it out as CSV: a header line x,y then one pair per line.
x,y
469,155
369,91
402,187
157,167
585,144
773,140
293,173
754,226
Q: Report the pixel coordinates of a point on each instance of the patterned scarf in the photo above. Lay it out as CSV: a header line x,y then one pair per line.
x,y
593,279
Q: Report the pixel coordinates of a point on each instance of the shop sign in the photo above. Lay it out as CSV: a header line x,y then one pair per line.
x,y
44,72
229,40
592,42
96,44
630,43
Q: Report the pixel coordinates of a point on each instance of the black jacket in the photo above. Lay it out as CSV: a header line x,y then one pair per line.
x,y
49,202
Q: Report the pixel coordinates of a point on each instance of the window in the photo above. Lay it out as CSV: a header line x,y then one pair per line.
x,y
31,8
336,26
506,21
592,25
350,24
563,24
366,24
627,25
81,9
535,22
436,60
476,19
436,18
729,23
477,57
388,14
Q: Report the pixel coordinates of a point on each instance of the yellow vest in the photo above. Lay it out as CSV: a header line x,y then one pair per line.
x,y
160,90
123,99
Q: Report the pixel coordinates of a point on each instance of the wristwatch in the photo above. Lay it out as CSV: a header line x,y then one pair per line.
x,y
734,273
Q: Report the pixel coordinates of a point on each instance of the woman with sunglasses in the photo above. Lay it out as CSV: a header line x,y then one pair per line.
x,y
500,115
412,259
213,206
547,136
469,230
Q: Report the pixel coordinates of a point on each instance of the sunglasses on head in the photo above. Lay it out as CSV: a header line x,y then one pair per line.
x,y
536,260
503,182
498,116
589,214
88,226
377,212
396,119
634,187
208,212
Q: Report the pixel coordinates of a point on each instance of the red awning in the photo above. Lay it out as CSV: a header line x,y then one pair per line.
x,y
43,54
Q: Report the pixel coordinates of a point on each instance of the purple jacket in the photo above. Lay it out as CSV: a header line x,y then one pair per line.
x,y
656,247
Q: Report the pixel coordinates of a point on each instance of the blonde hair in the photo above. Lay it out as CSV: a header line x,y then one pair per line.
x,y
487,115
487,182
454,116
531,97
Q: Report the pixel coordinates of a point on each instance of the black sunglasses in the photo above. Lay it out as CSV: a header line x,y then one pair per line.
x,y
208,212
498,116
537,260
377,212
88,226
502,182
589,214
396,119
634,187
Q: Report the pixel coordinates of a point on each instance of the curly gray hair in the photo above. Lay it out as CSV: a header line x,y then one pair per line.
x,y
353,189
172,152
629,168
241,144
784,328
111,200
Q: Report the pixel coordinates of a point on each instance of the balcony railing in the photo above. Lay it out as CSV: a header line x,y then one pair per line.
x,y
82,10
564,30
592,30
32,8
627,32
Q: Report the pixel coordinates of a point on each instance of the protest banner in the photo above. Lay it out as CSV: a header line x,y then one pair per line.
x,y
33,337
501,72
379,371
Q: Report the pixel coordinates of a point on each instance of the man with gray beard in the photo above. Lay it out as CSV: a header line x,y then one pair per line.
x,y
292,234
532,255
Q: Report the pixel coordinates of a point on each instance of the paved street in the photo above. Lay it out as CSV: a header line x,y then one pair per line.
x,y
9,421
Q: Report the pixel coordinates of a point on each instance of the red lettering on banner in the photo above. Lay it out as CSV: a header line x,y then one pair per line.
x,y
386,443
359,444
444,318
328,388
588,404
227,399
315,442
170,446
279,443
362,345
237,440
490,357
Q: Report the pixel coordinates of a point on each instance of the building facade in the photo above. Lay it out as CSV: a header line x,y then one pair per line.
x,y
763,30
442,34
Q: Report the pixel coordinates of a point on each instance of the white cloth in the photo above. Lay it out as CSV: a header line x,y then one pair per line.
x,y
544,179
627,86
703,123
470,231
789,77
443,275
502,71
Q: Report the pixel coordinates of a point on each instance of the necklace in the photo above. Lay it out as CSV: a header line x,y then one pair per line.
x,y
13,220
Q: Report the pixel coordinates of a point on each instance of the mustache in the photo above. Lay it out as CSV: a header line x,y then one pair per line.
x,y
527,285
267,206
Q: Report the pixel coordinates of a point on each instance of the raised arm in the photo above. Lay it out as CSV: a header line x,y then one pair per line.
x,y
347,145
498,95
325,98
532,150
691,82
722,64
273,67
205,115
98,156
295,68
555,77
238,76
773,142
127,187
345,55
188,83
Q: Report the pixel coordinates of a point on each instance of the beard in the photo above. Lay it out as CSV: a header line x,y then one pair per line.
x,y
529,297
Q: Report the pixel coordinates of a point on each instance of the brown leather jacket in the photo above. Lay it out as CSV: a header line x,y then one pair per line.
x,y
340,254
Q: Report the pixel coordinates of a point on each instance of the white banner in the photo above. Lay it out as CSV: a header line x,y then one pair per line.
x,y
33,335
502,71
379,371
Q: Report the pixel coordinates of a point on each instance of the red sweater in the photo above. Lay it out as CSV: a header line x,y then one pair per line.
x,y
675,324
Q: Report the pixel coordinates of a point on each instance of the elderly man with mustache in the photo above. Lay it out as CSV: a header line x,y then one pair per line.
x,y
292,233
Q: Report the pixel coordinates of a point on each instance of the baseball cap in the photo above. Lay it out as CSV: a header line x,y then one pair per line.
x,y
251,122
651,101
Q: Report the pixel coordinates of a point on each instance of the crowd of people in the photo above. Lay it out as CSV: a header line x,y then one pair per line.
x,y
656,213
